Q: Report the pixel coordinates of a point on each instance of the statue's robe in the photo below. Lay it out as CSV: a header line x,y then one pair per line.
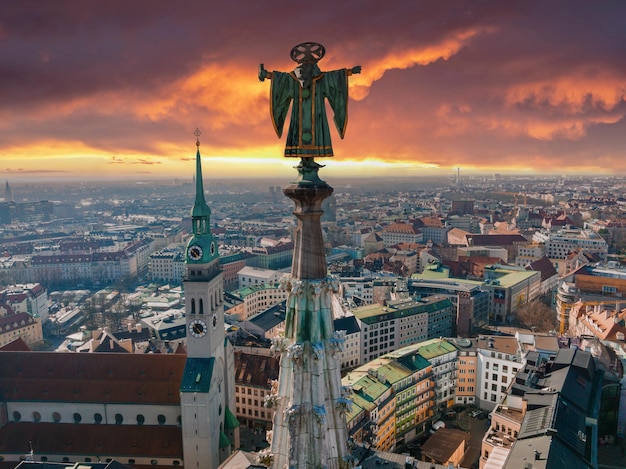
x,y
308,134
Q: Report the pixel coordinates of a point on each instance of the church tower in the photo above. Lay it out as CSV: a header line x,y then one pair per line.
x,y
207,392
310,404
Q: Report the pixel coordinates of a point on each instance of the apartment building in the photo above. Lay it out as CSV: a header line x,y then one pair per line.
x,y
255,374
249,276
442,355
397,233
510,287
403,322
550,415
31,298
256,298
20,325
559,244
393,399
499,359
167,265
467,381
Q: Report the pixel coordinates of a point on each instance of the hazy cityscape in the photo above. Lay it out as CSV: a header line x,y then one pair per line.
x,y
97,267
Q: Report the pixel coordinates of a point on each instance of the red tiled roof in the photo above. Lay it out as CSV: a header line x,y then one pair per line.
x,y
17,345
91,377
400,228
255,370
119,442
15,321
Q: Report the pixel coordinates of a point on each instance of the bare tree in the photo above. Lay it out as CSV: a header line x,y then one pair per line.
x,y
536,316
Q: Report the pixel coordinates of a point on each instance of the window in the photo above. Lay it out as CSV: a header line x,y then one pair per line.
x,y
17,416
161,419
140,419
36,416
56,417
97,418
77,417
119,418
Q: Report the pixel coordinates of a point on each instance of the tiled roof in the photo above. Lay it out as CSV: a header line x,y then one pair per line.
x,y
15,321
126,441
255,370
97,377
400,228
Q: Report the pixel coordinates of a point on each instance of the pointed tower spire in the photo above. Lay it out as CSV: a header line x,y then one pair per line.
x,y
200,211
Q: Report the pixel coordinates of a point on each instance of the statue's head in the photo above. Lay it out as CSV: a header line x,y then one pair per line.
x,y
307,55
307,52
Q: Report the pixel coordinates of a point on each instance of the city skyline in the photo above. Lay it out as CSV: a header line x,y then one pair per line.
x,y
115,90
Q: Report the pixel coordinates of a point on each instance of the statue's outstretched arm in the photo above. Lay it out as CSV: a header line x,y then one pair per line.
x,y
263,74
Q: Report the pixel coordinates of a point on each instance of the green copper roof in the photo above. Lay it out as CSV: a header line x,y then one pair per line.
x,y
373,314
200,208
394,372
224,440
230,421
414,362
370,388
197,375
435,348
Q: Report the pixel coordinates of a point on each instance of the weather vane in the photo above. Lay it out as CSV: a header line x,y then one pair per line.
x,y
308,88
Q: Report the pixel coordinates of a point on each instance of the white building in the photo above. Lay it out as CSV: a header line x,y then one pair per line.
x,y
30,298
560,244
360,287
249,276
399,323
397,233
167,265
348,329
499,360
256,298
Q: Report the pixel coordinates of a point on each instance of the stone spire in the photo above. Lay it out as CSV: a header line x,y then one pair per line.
x,y
310,405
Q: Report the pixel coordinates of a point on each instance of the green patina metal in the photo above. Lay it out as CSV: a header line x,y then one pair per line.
x,y
306,90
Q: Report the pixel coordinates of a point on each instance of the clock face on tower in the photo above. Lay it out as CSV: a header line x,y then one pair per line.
x,y
214,321
197,328
195,252
213,248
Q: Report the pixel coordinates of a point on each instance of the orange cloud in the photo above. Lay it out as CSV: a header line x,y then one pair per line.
x,y
572,94
403,59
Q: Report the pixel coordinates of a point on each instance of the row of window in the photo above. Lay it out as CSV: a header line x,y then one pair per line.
x,y
97,418
153,462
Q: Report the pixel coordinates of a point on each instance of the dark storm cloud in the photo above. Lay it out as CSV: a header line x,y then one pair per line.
x,y
466,83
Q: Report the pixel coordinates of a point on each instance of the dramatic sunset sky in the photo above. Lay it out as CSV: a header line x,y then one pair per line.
x,y
115,89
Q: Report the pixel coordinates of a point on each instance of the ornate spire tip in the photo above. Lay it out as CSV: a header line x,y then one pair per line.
x,y
197,133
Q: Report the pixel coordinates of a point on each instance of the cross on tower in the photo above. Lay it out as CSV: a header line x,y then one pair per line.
x,y
197,134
